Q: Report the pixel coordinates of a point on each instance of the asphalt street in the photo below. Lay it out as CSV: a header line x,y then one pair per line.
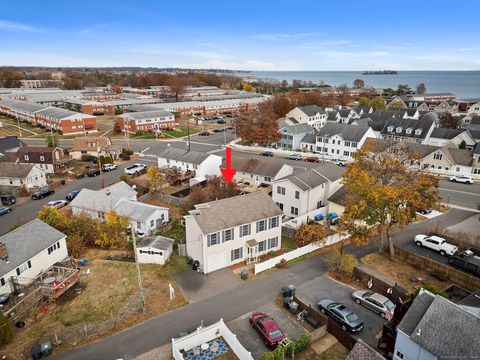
x,y
232,303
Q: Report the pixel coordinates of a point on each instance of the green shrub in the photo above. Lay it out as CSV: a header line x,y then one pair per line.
x,y
441,276
127,151
295,347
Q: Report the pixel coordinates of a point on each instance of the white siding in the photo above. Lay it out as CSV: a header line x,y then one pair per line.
x,y
148,255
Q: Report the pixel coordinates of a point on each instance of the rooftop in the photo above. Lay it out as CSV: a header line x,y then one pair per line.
x,y
14,170
315,176
347,132
238,210
192,157
257,166
156,242
27,241
136,210
141,115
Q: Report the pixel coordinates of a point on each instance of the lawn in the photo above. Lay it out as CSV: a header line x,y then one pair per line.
x,y
176,133
335,352
106,123
177,232
110,291
400,272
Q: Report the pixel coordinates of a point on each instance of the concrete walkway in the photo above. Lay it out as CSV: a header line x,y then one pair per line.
x,y
324,343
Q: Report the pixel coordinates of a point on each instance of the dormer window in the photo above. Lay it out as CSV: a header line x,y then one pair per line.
x,y
408,131
399,129
390,129
418,132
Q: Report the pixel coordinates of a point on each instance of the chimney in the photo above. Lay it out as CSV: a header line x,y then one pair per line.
x,y
3,251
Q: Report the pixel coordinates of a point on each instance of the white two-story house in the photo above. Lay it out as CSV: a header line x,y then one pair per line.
x,y
13,176
305,191
258,171
237,229
203,164
144,218
28,251
340,141
312,115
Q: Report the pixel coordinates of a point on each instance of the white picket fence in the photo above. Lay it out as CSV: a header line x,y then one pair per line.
x,y
307,249
206,334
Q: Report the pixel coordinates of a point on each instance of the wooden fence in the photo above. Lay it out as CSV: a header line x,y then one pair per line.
x,y
459,277
165,197
379,283
344,337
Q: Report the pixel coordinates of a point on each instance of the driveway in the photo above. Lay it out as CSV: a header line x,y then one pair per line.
x,y
196,286
325,287
250,338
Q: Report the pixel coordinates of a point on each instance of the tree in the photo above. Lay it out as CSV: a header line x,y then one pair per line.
x,y
310,234
52,139
259,126
447,120
177,86
155,176
281,105
344,96
10,78
364,101
53,217
217,188
403,89
378,103
116,89
247,87
421,88
358,83
6,330
462,145
112,234
341,265
384,190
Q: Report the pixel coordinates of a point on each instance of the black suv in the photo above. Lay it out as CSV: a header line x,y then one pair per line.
x,y
40,194
8,199
93,172
72,194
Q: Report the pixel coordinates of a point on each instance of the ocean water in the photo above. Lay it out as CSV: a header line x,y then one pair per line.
x,y
464,84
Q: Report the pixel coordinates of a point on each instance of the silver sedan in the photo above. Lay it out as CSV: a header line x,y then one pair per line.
x,y
375,302
57,203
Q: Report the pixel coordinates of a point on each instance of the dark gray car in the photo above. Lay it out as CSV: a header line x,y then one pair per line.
x,y
345,317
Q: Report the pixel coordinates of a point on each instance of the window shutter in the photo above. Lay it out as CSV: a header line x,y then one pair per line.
x,y
232,255
232,233
208,240
18,271
258,225
250,227
29,264
241,252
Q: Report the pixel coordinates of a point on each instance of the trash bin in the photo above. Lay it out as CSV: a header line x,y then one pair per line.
x,y
288,291
36,351
244,275
293,306
286,302
62,182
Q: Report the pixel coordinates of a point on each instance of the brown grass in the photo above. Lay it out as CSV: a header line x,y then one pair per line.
x,y
109,292
335,352
400,272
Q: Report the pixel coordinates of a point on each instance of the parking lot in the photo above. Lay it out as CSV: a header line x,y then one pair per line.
x,y
250,338
324,287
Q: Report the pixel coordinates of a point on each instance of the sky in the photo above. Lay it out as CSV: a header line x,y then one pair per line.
x,y
243,35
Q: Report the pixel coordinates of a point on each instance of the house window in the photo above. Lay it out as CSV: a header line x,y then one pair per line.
x,y
345,153
273,222
399,355
213,239
227,235
2,281
326,141
236,254
152,223
26,157
333,141
139,225
267,179
297,194
294,211
261,225
354,144
261,246
418,132
273,242
347,143
437,156
281,190
245,230
280,205
24,267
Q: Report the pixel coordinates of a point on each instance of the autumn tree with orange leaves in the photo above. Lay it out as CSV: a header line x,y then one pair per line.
x,y
259,126
384,187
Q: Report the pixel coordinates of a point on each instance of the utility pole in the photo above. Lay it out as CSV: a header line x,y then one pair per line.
x,y
19,128
188,135
139,275
102,183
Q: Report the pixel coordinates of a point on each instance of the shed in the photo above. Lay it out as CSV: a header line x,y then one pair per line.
x,y
154,250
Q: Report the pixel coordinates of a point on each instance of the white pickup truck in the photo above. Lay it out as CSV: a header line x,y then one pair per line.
x,y
135,168
436,243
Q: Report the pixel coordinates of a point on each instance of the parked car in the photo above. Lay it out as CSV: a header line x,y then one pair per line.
x,y
80,175
57,204
40,194
221,121
461,179
345,317
435,243
267,328
93,172
218,130
204,133
375,302
72,195
109,167
267,153
294,156
8,199
5,210
135,168
313,159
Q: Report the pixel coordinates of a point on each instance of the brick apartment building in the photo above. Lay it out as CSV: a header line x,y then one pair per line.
x,y
147,121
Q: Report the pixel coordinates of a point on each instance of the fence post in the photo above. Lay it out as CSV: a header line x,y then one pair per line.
x,y
85,328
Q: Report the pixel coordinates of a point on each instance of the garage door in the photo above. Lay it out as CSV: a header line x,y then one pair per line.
x,y
215,262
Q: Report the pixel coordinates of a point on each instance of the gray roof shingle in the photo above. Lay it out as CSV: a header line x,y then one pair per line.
x,y
309,139
315,176
238,210
257,166
347,132
141,115
443,133
362,351
311,110
137,211
156,242
14,170
104,199
27,241
192,157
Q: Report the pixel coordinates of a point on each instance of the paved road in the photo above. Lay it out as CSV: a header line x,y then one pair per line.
x,y
27,209
460,195
229,304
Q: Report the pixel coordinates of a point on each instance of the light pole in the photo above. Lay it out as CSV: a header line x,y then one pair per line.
x,y
102,183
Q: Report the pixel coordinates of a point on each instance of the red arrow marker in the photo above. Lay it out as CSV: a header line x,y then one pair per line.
x,y
227,172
